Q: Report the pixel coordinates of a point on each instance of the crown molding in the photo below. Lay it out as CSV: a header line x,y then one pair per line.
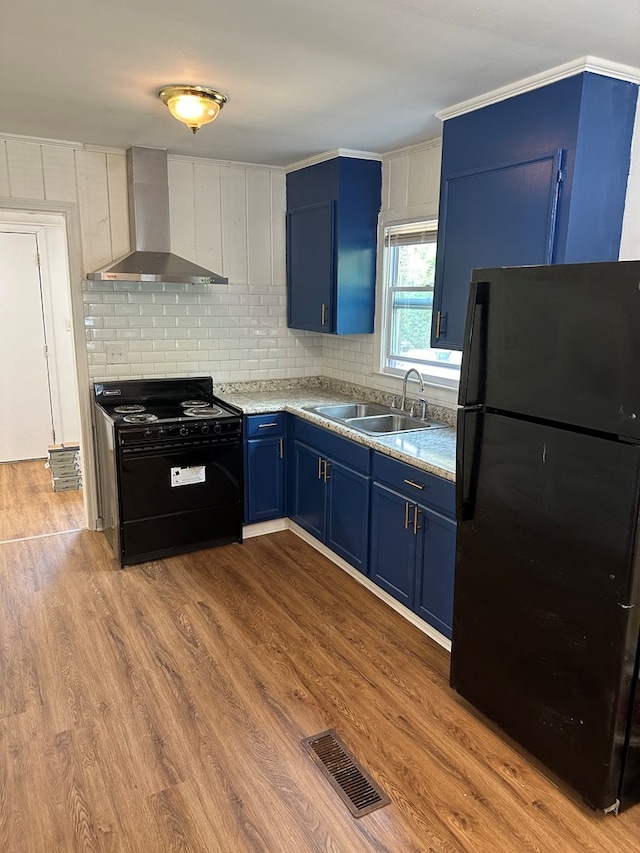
x,y
586,63
436,142
331,155
36,140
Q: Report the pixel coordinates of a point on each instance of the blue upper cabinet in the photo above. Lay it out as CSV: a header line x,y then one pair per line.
x,y
535,179
332,218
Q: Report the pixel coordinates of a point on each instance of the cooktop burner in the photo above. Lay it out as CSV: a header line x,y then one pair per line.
x,y
167,409
143,418
131,409
205,411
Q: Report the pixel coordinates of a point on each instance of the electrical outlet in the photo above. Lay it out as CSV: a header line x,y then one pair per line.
x,y
116,353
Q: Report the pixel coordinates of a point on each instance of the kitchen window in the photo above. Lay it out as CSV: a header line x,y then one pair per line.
x,y
409,262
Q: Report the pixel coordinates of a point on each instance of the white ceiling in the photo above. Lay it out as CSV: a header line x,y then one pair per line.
x,y
302,76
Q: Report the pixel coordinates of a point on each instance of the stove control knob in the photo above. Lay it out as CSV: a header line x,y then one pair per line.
x,y
217,427
148,433
162,432
205,428
184,430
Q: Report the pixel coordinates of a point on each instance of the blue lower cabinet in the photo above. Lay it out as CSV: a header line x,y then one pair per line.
x,y
264,478
347,525
308,496
329,490
413,539
435,569
393,544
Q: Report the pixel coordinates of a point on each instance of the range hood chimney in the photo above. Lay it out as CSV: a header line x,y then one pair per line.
x,y
151,258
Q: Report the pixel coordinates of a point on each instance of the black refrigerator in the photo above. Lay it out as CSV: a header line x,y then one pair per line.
x,y
547,602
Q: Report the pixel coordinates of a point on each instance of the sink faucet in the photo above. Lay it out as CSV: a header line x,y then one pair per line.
x,y
404,385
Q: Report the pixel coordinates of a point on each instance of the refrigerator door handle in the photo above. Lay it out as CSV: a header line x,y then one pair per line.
x,y
469,430
474,355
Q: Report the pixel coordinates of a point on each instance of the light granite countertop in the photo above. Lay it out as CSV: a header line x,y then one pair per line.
x,y
431,449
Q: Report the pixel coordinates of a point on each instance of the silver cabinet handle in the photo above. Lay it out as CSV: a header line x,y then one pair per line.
x,y
265,426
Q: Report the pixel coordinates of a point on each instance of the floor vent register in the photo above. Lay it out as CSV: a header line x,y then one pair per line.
x,y
352,783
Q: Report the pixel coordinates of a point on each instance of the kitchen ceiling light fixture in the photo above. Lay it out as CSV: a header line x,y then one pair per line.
x,y
193,105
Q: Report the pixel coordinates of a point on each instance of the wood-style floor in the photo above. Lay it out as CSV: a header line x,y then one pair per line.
x,y
161,708
30,507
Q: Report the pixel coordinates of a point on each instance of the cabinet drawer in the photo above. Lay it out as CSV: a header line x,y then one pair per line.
x,y
419,485
262,426
330,444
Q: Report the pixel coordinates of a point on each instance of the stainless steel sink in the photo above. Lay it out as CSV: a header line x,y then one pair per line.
x,y
389,423
342,411
373,418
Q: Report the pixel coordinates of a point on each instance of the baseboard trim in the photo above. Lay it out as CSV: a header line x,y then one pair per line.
x,y
263,527
277,524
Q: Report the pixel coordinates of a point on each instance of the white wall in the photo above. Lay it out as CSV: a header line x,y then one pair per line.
x,y
630,239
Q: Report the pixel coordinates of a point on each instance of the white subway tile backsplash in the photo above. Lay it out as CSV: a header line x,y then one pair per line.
x,y
98,309
164,322
164,345
126,310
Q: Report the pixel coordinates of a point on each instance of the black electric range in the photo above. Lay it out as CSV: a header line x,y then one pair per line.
x,y
170,466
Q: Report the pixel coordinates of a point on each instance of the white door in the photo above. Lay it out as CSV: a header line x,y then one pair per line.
x,y
26,426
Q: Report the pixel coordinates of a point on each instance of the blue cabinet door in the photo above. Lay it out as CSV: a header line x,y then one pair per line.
x,y
332,216
348,514
393,544
497,165
308,490
311,267
500,215
435,569
264,485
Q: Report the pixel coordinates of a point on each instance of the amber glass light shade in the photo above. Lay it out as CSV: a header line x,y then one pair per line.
x,y
193,105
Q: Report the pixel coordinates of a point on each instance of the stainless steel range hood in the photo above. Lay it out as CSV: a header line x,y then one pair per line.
x,y
151,258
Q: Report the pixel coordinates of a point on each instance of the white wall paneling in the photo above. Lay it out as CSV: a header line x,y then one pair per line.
x,y
259,232
116,165
5,187
207,205
233,184
25,170
182,208
59,173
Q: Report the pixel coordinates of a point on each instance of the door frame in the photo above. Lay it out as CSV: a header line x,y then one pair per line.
x,y
71,216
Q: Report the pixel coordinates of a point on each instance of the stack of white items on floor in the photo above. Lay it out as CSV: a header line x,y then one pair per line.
x,y
64,462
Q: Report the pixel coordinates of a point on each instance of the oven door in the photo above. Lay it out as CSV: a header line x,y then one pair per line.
x,y
176,499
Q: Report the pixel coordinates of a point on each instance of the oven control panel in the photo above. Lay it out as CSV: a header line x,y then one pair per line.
x,y
227,428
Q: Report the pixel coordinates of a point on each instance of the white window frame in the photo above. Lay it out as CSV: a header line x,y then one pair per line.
x,y
445,376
